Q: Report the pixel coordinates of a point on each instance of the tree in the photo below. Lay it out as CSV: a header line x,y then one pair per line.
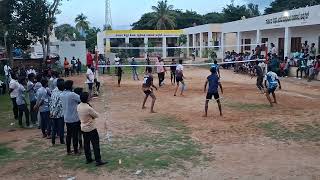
x,y
66,32
145,22
214,17
234,13
82,24
187,19
182,41
91,38
282,5
163,16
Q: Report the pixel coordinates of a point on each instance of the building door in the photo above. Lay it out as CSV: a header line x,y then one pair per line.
x,y
281,48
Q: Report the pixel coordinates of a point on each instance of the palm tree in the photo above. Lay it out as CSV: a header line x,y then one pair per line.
x,y
163,16
81,23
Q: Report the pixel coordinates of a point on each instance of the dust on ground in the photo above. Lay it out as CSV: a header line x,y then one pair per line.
x,y
239,148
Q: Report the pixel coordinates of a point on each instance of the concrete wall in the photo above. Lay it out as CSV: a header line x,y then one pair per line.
x,y
71,49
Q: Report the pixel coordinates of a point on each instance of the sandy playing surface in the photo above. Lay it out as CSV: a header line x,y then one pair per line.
x,y
240,149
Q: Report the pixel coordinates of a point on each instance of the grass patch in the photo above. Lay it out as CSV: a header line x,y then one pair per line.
x,y
301,132
170,147
245,106
6,115
6,153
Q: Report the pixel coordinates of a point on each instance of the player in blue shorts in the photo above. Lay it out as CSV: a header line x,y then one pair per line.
x,y
214,83
271,82
147,89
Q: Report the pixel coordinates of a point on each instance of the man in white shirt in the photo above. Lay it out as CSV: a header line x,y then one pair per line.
x,y
179,78
160,70
31,71
273,50
7,73
13,90
90,79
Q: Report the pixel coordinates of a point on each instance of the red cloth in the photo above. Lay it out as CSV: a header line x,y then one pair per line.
x,y
89,59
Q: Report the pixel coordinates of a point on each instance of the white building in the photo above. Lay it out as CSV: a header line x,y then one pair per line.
x,y
287,30
62,49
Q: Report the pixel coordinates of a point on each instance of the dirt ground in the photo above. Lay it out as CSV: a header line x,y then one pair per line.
x,y
240,149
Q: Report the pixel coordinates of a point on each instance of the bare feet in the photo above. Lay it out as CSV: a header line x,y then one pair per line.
x,y
174,95
204,115
152,111
275,102
143,107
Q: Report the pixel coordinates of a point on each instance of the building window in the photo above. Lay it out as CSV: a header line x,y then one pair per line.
x,y
296,44
264,45
247,41
73,45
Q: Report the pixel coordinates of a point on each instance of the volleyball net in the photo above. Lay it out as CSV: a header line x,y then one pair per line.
x,y
209,54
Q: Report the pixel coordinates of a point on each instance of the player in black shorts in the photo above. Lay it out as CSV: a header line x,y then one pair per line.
x,y
179,78
173,68
119,74
147,89
214,83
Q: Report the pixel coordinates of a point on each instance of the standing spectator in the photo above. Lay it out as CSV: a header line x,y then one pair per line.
x,y
43,98
31,71
66,66
13,90
79,65
310,63
90,79
70,101
87,117
56,112
258,52
314,71
21,102
89,58
161,71
134,69
7,74
32,98
313,51
73,65
273,50
2,88
108,65
305,47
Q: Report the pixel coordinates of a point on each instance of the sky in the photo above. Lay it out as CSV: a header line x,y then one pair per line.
x,y
126,12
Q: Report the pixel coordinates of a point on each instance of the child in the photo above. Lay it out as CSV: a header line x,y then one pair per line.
x,y
173,68
214,82
273,82
147,89
179,78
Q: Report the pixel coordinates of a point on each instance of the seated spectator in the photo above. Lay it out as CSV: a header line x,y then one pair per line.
x,y
314,71
301,67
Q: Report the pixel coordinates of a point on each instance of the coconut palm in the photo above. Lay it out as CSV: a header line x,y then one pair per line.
x,y
81,23
163,16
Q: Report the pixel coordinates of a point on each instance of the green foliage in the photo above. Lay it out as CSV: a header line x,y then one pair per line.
x,y
81,23
307,132
170,147
182,19
66,32
163,17
91,38
211,53
234,13
282,5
